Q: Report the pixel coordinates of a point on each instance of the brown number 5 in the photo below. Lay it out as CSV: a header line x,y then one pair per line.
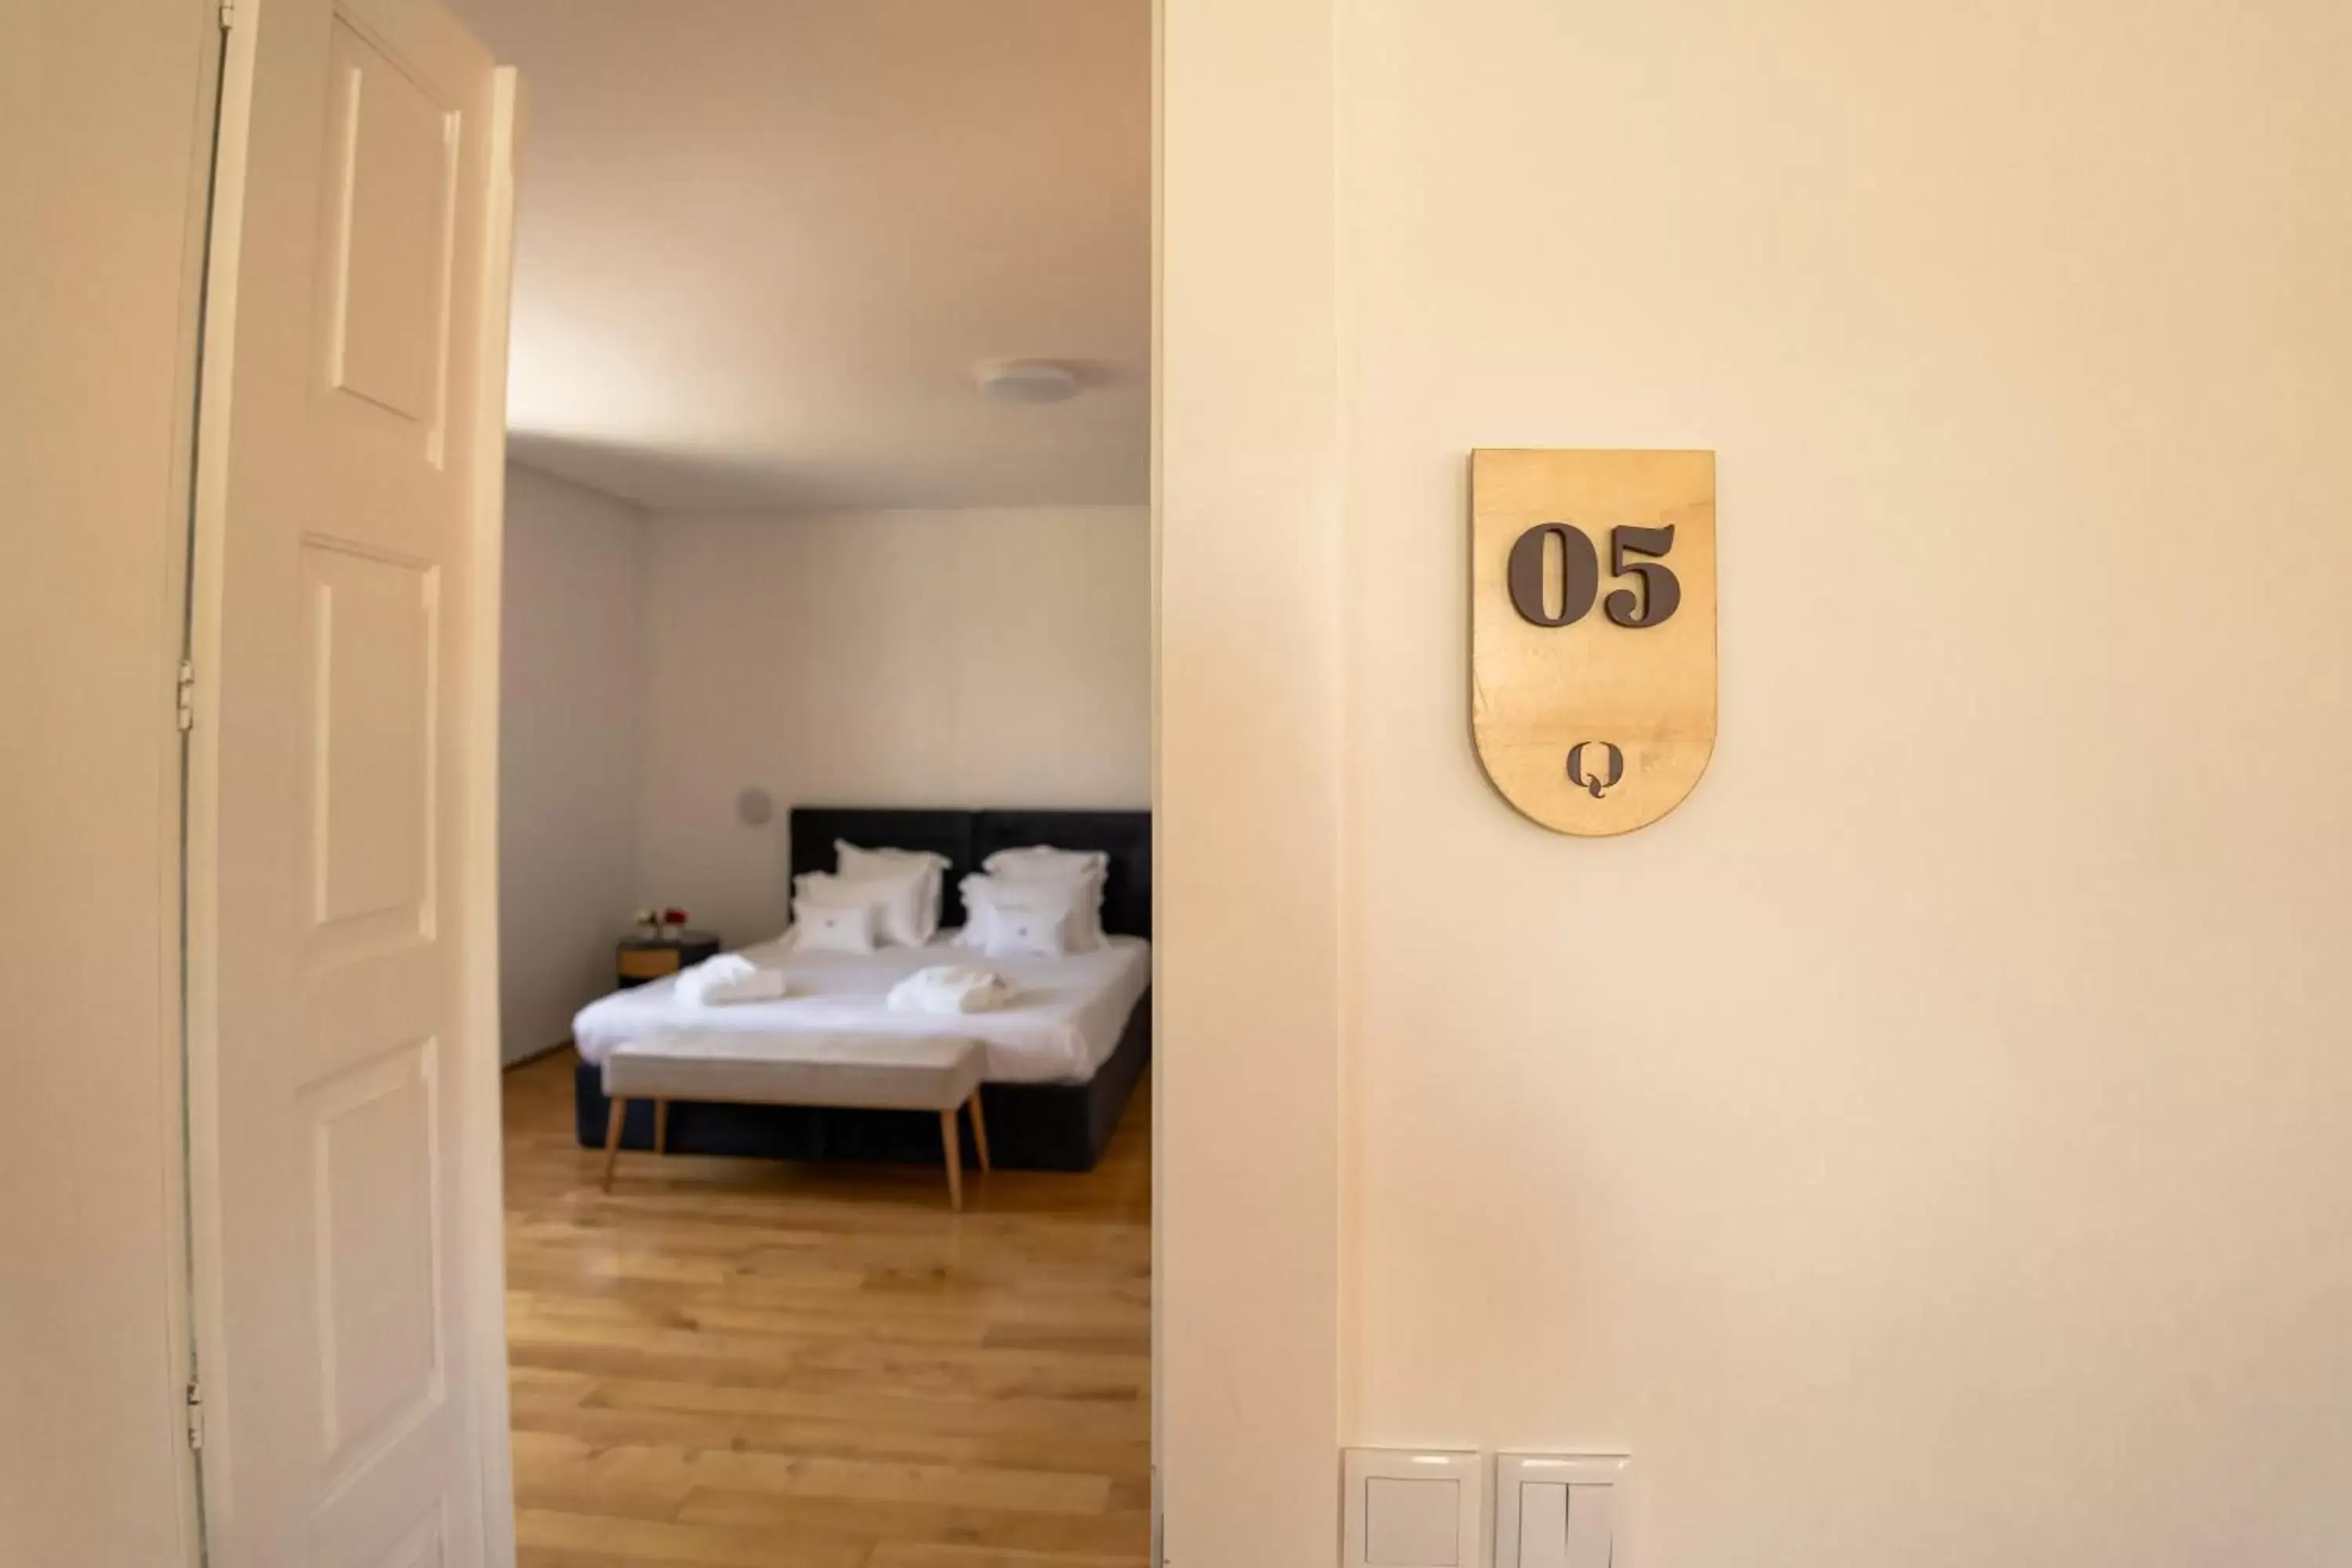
x,y
1662,592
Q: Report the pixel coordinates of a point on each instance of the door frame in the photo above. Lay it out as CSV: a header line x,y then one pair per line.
x,y
1250,428
475,1058
484,1132
1247,218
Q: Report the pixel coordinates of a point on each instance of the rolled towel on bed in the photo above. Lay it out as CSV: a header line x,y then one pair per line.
x,y
730,977
951,988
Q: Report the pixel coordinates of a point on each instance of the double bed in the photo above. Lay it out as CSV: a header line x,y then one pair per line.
x,y
1063,1057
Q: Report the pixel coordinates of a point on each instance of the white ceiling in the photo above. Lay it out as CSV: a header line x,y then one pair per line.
x,y
761,244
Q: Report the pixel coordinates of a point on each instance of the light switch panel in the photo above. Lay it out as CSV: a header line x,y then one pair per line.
x,y
1591,1527
1557,1510
1412,1522
1408,1508
1543,1540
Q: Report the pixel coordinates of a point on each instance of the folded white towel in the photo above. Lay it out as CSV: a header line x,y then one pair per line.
x,y
951,988
730,977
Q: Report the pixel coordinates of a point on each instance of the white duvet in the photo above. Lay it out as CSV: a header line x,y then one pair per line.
x,y
1061,1022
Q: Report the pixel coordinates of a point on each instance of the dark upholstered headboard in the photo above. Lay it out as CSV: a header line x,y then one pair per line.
x,y
969,838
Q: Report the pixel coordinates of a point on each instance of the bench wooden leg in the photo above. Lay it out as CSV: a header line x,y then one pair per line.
x,y
661,1126
955,1141
978,1131
613,1140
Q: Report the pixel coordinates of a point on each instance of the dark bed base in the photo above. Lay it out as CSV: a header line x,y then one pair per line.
x,y
1031,1126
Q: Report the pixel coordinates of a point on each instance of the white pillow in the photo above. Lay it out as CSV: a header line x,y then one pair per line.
x,y
856,864
1041,863
902,898
1043,860
979,908
993,905
1019,932
834,928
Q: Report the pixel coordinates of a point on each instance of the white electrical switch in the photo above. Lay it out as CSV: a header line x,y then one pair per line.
x,y
1557,1510
1591,1526
1413,1524
1412,1508
1543,1525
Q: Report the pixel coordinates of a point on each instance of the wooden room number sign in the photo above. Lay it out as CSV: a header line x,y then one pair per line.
x,y
1593,632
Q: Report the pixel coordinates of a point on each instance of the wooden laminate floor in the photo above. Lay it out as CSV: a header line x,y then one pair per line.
x,y
752,1365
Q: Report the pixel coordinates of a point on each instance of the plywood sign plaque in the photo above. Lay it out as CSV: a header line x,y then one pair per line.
x,y
1593,632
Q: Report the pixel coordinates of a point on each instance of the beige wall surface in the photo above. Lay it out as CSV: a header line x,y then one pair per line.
x,y
567,751
1932,1144
99,125
1246,867
979,658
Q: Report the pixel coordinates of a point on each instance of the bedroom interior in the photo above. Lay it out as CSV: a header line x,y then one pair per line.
x,y
825,853
1924,1147
1956,1083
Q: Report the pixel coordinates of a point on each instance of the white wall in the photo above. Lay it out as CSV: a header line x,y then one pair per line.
x,y
1930,1144
981,658
100,122
1246,813
567,751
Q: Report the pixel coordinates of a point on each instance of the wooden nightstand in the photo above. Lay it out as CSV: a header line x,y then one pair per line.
x,y
644,958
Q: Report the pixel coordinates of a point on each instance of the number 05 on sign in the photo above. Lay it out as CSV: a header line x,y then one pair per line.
x,y
1593,632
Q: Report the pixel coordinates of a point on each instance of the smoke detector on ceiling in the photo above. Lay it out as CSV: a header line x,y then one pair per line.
x,y
1025,381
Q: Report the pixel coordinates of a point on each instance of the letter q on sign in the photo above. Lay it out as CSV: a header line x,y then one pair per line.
x,y
1592,723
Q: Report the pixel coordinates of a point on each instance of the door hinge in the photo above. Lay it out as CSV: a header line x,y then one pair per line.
x,y
195,1415
187,702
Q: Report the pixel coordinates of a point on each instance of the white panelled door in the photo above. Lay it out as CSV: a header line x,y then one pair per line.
x,y
343,1061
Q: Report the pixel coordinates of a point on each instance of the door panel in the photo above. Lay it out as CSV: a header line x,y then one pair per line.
x,y
377,1254
392,180
340,931
369,628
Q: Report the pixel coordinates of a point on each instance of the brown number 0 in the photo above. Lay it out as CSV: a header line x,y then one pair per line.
x,y
1580,576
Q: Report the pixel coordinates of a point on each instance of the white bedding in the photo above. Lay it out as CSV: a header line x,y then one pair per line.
x,y
1063,1021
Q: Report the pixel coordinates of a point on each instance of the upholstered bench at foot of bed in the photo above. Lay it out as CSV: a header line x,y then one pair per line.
x,y
868,1072
1031,1126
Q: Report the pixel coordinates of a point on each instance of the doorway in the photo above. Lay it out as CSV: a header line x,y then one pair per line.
x,y
826,494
